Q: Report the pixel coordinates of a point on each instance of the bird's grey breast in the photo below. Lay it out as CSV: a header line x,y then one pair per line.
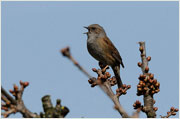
x,y
94,49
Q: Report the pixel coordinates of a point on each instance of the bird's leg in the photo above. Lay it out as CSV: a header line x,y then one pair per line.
x,y
103,67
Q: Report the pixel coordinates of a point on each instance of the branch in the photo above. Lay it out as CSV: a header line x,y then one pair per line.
x,y
147,86
65,52
58,111
11,105
15,105
172,112
103,82
11,99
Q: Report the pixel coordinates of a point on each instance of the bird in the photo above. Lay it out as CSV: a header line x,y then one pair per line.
x,y
102,49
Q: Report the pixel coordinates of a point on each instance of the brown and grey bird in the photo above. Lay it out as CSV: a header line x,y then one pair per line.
x,y
103,50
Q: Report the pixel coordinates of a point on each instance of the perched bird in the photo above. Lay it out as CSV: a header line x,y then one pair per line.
x,y
103,50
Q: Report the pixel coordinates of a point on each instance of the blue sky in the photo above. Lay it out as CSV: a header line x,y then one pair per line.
x,y
34,32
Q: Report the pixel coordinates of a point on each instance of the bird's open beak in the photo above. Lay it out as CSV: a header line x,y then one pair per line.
x,y
85,28
85,33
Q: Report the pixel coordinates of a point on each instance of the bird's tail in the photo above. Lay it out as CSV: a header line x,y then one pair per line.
x,y
116,70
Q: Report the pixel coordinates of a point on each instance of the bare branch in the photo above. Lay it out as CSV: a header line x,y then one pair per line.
x,y
8,112
105,85
103,82
7,95
66,52
147,86
172,112
12,105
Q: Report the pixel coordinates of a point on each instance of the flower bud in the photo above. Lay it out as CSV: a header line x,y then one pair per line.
x,y
146,79
134,105
152,87
148,58
104,77
94,69
154,81
146,69
108,74
15,88
117,90
151,81
151,76
176,110
157,84
21,83
138,102
155,108
139,86
139,64
139,89
141,77
145,88
93,85
26,84
11,91
124,92
124,86
157,90
141,82
4,108
90,81
128,86
172,108
152,92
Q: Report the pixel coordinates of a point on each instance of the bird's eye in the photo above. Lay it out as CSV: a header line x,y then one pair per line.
x,y
93,28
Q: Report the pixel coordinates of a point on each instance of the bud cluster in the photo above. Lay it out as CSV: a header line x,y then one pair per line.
x,y
172,112
102,77
92,81
147,84
10,105
65,52
138,105
16,88
105,77
113,81
122,90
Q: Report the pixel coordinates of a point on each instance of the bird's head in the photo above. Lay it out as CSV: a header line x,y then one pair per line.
x,y
95,30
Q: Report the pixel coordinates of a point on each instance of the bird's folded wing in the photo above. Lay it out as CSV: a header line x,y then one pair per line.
x,y
114,52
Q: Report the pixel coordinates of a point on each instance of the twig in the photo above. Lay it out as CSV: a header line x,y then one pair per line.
x,y
104,84
8,112
12,105
65,52
147,85
7,95
172,112
106,87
